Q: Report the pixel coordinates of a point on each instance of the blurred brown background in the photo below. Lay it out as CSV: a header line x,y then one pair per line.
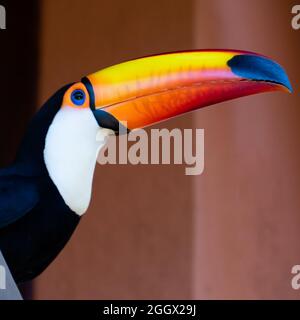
x,y
152,232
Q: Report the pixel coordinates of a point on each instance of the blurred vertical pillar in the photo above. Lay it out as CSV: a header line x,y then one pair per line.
x,y
135,241
247,201
18,81
19,63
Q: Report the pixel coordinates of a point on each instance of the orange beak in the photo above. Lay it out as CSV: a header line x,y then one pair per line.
x,y
141,92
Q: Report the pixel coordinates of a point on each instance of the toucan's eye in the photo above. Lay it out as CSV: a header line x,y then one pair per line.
x,y
78,97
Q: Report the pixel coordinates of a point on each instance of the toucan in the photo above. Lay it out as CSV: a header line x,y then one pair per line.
x,y
47,189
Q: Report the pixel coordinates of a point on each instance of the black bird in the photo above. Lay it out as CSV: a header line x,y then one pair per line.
x,y
47,189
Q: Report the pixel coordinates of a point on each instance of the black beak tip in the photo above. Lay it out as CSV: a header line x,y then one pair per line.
x,y
258,68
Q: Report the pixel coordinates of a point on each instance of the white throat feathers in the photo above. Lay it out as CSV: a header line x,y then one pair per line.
x,y
71,149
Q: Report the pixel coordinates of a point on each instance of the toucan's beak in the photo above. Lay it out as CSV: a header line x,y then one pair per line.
x,y
144,91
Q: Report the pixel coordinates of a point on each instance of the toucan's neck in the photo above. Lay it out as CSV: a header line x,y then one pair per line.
x,y
61,144
30,159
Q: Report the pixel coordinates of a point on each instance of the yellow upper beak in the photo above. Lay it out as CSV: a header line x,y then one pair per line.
x,y
144,91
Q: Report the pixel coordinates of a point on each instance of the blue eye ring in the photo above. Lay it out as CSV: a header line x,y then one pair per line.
x,y
78,97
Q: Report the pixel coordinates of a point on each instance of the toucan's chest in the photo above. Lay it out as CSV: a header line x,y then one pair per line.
x,y
30,244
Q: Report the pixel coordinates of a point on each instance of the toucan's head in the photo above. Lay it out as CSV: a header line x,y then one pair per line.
x,y
139,93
